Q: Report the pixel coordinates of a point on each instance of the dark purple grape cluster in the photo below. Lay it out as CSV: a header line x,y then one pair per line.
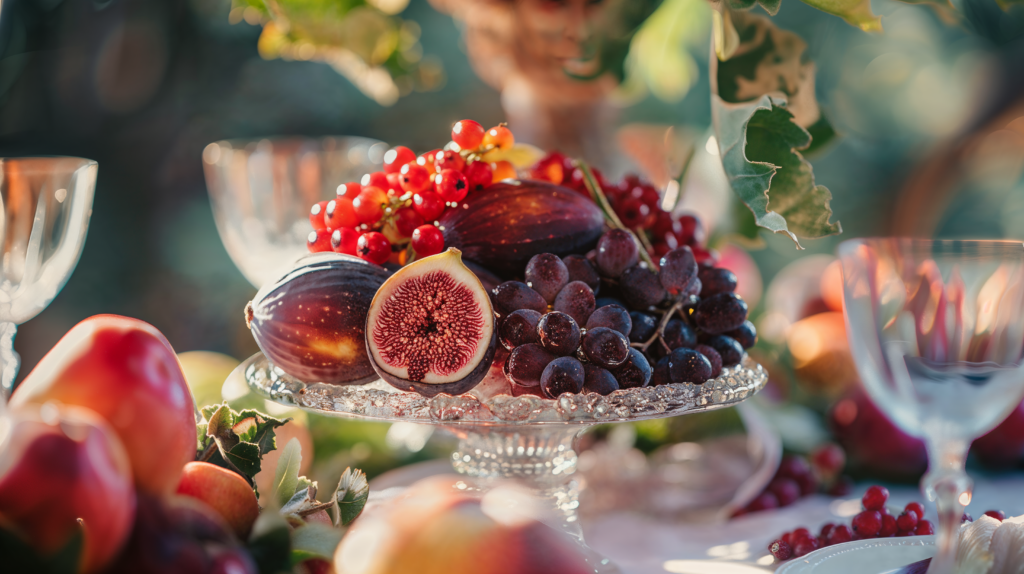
x,y
682,318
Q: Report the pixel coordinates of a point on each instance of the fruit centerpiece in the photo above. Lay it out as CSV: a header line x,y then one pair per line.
x,y
512,296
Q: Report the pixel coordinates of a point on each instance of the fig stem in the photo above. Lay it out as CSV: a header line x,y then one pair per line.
x,y
661,327
609,214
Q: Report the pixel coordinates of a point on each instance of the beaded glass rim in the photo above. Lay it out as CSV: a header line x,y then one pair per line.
x,y
379,401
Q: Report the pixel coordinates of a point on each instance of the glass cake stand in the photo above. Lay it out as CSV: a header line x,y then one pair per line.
x,y
526,438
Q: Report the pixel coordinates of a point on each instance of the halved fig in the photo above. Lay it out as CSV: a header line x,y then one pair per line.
x,y
430,328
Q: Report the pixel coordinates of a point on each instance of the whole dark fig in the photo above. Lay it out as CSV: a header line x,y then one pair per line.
x,y
311,322
506,224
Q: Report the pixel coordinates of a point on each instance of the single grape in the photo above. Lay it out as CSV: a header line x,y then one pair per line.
x,y
644,326
693,288
677,269
641,288
559,333
716,280
605,301
616,252
563,375
513,295
580,269
576,300
745,334
547,275
519,328
605,347
688,366
612,316
679,334
660,372
526,364
713,357
598,380
730,350
720,313
635,372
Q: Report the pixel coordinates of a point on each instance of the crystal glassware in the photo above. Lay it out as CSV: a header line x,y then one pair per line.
x,y
47,202
936,328
526,438
262,189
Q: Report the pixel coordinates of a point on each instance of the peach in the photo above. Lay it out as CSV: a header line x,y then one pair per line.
x,y
61,466
125,370
224,491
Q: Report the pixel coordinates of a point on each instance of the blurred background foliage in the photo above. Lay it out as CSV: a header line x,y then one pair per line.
x,y
929,112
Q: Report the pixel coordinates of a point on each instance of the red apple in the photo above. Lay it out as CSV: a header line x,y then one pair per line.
x,y
125,370
1003,446
224,491
61,464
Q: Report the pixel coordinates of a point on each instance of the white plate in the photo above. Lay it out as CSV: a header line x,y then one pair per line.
x,y
863,556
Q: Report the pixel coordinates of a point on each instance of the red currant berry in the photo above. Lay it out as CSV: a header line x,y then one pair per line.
x,y
805,546
766,501
867,523
799,533
428,204
549,168
826,529
350,190
907,521
997,514
373,247
705,257
478,175
915,507
451,185
664,226
840,534
319,240
924,528
427,160
633,213
780,550
345,240
843,486
467,134
415,178
394,184
889,526
786,490
407,220
787,537
502,170
500,137
875,497
448,159
808,484
316,215
396,157
340,213
369,205
693,230
377,179
793,466
828,460
427,240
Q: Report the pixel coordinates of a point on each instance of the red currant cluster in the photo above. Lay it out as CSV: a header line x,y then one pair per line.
x,y
798,477
377,217
875,521
637,203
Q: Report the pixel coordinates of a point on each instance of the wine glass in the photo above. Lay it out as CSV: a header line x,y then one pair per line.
x,y
261,191
936,331
46,202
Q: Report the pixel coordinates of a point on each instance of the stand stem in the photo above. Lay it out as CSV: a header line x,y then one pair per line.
x,y
9,359
948,485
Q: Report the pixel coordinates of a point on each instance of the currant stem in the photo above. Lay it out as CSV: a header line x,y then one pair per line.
x,y
609,214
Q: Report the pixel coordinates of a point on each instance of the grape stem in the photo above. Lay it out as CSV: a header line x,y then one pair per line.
x,y
609,214
657,336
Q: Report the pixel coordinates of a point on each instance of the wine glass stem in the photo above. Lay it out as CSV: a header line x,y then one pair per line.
x,y
9,359
949,487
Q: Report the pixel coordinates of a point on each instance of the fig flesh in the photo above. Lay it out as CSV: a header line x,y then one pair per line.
x,y
430,328
310,322
506,224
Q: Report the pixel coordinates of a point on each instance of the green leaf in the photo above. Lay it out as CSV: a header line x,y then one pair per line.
x,y
661,53
265,436
20,556
822,133
350,496
855,12
286,476
219,427
245,456
314,541
760,139
270,543
770,6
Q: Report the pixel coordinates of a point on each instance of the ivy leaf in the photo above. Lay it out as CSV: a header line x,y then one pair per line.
x,y
350,496
245,457
265,436
855,12
286,476
20,556
314,541
761,98
236,441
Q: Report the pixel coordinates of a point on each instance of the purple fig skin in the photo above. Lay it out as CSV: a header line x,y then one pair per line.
x,y
508,223
488,279
288,321
431,390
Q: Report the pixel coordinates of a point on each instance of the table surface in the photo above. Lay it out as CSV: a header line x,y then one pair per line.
x,y
645,545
